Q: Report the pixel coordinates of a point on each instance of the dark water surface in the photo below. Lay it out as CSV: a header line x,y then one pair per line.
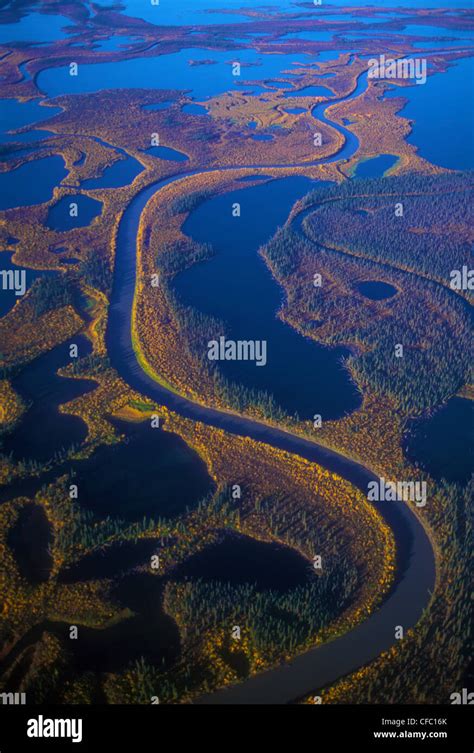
x,y
43,430
376,290
240,559
236,286
153,474
443,444
59,217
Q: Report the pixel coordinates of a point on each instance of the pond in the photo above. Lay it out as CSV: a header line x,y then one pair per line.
x,y
375,167
167,153
121,173
238,559
59,215
153,474
376,290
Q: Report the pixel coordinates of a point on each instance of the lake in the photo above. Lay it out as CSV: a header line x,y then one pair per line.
x,y
236,287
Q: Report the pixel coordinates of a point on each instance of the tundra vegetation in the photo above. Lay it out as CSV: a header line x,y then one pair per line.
x,y
349,233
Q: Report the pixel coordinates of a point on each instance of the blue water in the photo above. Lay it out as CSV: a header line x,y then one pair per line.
x,y
440,44
14,114
35,27
236,286
295,110
26,137
443,128
409,4
159,105
60,219
170,72
422,30
167,153
443,443
324,57
310,36
32,183
262,137
119,174
375,167
180,12
190,12
193,109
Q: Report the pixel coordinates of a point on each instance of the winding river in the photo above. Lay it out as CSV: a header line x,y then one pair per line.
x,y
415,574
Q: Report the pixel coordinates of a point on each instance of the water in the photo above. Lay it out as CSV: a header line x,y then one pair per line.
x,y
111,561
43,390
422,30
376,290
408,4
25,138
192,109
167,153
443,127
186,12
159,105
14,114
148,633
30,540
376,166
320,35
59,214
236,286
239,559
443,443
171,71
35,27
121,173
154,474
31,183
